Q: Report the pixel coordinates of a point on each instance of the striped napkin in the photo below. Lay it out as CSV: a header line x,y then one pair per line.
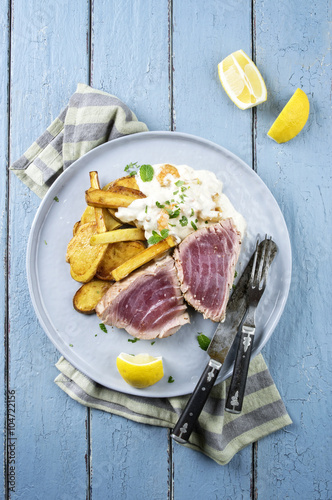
x,y
91,118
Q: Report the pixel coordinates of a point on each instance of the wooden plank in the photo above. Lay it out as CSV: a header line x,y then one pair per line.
x,y
49,56
293,50
4,76
130,60
205,33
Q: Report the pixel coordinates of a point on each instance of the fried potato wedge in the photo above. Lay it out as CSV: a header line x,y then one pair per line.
x,y
109,199
126,191
94,182
110,221
116,254
76,226
128,181
82,257
88,215
87,297
118,235
143,258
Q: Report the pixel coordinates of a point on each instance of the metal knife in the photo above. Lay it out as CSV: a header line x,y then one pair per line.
x,y
219,347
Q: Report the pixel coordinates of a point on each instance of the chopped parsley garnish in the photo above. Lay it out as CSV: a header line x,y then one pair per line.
x,y
131,168
146,209
71,345
95,335
182,197
233,286
206,222
184,188
56,198
103,327
146,172
183,221
159,205
173,225
203,341
192,213
176,192
193,225
179,183
155,238
45,242
133,340
173,214
153,342
170,380
235,274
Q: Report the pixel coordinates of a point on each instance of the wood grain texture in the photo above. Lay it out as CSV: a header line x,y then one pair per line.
x,y
48,58
129,460
203,35
293,50
130,60
130,56
4,76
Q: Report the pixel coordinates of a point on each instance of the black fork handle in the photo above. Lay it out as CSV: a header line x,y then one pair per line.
x,y
238,383
192,411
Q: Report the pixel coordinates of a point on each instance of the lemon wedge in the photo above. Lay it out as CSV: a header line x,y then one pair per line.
x,y
140,371
242,80
292,118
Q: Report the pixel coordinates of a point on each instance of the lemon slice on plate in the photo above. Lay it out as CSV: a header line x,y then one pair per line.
x,y
291,119
140,371
242,80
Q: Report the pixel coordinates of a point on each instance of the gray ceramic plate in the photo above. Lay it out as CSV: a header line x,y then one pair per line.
x,y
79,337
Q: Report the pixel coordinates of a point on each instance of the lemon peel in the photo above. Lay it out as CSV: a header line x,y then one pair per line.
x,y
242,80
292,118
141,370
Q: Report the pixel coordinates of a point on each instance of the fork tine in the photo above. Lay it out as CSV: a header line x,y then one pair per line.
x,y
267,260
261,262
253,269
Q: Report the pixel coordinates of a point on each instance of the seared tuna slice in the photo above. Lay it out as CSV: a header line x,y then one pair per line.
x,y
205,262
148,303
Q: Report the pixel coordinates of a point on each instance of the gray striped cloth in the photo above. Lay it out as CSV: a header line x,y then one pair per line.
x,y
91,118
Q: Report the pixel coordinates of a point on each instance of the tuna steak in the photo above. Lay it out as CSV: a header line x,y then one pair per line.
x,y
205,261
148,303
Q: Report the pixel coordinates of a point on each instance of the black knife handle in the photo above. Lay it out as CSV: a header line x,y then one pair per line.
x,y
192,411
237,386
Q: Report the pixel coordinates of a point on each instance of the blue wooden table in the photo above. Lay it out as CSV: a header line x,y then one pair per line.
x,y
160,57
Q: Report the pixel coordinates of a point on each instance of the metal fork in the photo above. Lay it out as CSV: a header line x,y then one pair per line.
x,y
256,287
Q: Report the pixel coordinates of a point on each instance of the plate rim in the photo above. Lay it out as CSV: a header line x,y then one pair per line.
x,y
47,202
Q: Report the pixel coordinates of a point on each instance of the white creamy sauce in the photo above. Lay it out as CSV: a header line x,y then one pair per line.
x,y
180,199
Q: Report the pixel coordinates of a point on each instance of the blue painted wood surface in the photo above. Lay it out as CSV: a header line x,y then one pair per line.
x,y
160,57
51,432
299,176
